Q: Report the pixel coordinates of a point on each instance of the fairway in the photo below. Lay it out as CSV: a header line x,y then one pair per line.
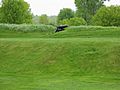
x,y
59,64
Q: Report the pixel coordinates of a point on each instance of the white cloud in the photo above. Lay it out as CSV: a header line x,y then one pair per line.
x,y
50,7
112,2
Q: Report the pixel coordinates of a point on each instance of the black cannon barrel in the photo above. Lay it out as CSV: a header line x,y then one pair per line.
x,y
61,28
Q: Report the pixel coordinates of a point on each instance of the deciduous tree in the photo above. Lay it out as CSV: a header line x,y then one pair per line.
x,y
88,8
65,13
107,16
43,19
15,12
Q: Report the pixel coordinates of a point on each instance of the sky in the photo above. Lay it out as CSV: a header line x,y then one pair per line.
x,y
52,7
112,2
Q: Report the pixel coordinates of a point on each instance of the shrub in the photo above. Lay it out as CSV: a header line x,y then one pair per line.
x,y
107,16
77,21
64,22
27,28
74,21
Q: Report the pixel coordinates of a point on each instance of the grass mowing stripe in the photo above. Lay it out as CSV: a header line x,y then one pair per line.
x,y
59,64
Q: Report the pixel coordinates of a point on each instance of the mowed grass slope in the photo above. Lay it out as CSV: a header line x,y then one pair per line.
x,y
69,63
71,32
89,32
59,64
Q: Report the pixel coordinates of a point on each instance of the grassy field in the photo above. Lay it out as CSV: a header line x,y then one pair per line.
x,y
69,60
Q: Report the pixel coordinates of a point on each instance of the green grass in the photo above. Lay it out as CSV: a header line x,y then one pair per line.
x,y
69,60
60,64
70,32
89,32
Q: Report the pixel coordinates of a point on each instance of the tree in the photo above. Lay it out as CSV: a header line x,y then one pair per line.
x,y
65,13
88,8
43,19
0,15
15,12
107,16
35,19
53,20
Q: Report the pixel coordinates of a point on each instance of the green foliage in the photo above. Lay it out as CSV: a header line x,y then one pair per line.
x,y
65,13
0,15
15,12
77,21
26,28
35,19
107,16
64,22
52,20
87,8
73,21
43,19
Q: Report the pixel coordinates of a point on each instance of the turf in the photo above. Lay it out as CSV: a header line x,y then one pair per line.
x,y
71,32
60,64
69,63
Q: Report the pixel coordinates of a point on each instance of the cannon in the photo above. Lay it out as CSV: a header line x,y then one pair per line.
x,y
61,28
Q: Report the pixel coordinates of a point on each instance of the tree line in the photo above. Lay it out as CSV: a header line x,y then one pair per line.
x,y
89,12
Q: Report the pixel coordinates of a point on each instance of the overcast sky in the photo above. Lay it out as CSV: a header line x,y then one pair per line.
x,y
52,7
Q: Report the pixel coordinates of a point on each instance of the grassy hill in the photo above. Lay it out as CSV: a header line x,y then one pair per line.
x,y
69,60
89,32
70,32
